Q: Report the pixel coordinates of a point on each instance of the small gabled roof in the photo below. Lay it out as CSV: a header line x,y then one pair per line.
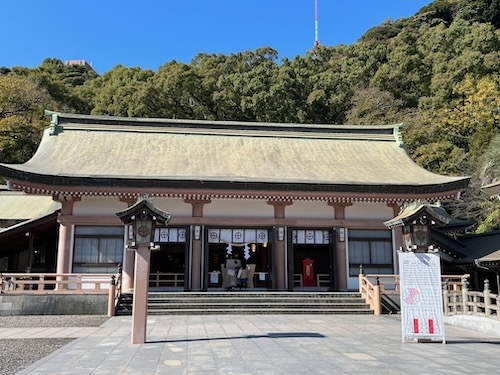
x,y
480,246
493,257
416,210
492,189
145,205
81,150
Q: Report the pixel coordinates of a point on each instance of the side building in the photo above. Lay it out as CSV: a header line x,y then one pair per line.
x,y
303,204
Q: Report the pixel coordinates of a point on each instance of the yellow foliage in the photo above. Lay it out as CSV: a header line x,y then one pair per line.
x,y
477,108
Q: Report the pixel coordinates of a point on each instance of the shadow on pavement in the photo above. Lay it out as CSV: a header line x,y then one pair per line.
x,y
278,335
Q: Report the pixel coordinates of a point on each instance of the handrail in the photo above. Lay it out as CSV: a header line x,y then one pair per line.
x,y
469,302
371,292
118,287
23,283
372,286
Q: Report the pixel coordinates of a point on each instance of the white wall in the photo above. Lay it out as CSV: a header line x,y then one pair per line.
x,y
369,211
309,210
175,207
105,206
238,208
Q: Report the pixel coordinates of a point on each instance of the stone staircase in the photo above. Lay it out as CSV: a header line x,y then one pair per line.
x,y
205,303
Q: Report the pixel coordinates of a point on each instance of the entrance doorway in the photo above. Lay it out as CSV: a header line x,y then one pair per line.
x,y
311,261
228,247
168,264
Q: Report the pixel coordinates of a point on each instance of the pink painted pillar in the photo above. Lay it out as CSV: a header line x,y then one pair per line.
x,y
63,247
128,260
279,258
64,240
140,303
341,252
397,236
279,249
128,271
196,266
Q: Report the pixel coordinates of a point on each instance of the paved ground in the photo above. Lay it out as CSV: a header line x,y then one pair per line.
x,y
262,344
33,337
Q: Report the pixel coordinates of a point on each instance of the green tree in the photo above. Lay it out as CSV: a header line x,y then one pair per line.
x,y
22,104
490,172
483,11
373,106
119,92
176,92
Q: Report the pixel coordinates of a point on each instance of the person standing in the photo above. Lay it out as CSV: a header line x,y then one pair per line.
x,y
243,275
231,265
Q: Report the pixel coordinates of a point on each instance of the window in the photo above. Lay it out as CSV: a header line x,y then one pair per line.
x,y
372,249
97,249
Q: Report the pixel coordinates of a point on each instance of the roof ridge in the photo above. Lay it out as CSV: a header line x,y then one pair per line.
x,y
62,121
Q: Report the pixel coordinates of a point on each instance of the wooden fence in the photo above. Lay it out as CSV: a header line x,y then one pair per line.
x,y
17,283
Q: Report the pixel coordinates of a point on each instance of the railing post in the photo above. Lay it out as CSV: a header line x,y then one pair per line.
x,y
111,297
377,304
360,278
446,302
486,296
465,297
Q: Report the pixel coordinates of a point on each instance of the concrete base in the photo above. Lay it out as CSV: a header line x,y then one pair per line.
x,y
475,323
54,304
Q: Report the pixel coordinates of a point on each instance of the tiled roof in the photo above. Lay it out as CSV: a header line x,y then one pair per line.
x,y
118,149
17,206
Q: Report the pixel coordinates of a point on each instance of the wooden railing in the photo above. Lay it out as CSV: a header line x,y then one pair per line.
x,y
467,302
373,286
322,280
164,279
115,292
23,283
297,280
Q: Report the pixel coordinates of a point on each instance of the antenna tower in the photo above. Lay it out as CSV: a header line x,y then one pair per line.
x,y
316,40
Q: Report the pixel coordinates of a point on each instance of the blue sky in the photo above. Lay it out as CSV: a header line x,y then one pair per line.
x,y
149,33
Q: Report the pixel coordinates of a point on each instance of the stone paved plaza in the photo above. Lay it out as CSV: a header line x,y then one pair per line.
x,y
262,344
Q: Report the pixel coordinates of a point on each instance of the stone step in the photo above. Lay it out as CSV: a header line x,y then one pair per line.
x,y
253,300
258,311
244,294
256,305
249,303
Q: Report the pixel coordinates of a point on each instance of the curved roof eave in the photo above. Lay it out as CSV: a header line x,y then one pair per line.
x,y
142,183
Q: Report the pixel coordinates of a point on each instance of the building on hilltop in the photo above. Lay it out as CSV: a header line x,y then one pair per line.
x,y
276,195
80,62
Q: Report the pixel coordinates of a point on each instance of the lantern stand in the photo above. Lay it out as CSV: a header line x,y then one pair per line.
x,y
420,274
141,220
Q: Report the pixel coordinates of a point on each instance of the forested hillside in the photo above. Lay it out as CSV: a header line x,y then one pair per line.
x,y
438,72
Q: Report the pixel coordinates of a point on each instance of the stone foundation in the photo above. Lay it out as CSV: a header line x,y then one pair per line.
x,y
54,304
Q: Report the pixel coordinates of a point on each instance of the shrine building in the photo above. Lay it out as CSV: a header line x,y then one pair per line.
x,y
303,204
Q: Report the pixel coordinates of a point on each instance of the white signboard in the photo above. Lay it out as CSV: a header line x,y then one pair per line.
x,y
421,296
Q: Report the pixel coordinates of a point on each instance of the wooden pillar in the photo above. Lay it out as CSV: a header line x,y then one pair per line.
x,y
280,247
64,242
397,236
128,259
341,248
197,244
30,249
140,303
